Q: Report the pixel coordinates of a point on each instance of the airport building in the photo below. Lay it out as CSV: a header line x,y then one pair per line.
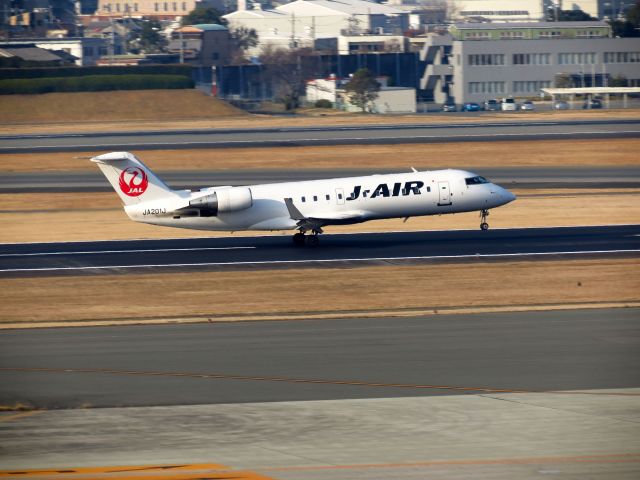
x,y
84,51
531,10
478,61
314,23
163,10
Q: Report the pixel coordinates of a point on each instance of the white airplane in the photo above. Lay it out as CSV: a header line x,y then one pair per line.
x,y
304,206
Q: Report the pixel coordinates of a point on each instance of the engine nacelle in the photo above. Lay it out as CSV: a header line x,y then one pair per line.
x,y
224,200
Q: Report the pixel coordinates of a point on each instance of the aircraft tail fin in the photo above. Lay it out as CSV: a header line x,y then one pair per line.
x,y
132,180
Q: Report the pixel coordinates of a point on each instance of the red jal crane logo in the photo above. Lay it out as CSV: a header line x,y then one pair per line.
x,y
133,181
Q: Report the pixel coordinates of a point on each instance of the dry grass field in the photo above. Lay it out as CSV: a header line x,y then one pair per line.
x,y
189,109
97,108
296,293
544,153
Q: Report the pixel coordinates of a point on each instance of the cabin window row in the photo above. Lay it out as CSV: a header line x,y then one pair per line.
x,y
340,196
315,198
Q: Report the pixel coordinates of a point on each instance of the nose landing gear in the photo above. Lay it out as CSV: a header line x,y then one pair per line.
x,y
483,220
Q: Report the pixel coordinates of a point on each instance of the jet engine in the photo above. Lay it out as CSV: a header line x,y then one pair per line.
x,y
224,200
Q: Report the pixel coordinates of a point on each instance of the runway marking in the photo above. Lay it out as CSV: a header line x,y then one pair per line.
x,y
605,458
316,140
124,251
320,261
134,472
9,418
357,383
371,232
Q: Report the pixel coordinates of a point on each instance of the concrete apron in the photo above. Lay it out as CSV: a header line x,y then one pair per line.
x,y
525,435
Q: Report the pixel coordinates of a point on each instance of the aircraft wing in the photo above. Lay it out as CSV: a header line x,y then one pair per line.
x,y
316,223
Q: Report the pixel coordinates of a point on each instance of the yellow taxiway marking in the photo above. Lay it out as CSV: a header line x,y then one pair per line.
x,y
209,471
359,383
16,416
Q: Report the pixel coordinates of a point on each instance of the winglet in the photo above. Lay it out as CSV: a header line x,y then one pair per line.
x,y
294,213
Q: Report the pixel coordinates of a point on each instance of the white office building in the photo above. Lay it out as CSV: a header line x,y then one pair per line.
x,y
476,62
303,22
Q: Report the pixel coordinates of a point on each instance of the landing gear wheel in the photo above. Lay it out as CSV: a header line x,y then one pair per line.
x,y
483,220
312,241
298,239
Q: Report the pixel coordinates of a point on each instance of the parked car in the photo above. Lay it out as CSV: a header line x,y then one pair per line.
x,y
491,105
561,105
449,107
508,104
592,103
527,105
470,107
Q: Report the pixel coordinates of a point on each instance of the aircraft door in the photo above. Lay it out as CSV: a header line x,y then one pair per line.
x,y
444,195
340,196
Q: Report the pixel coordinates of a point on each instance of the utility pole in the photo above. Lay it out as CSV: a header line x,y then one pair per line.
x,y
112,42
181,46
292,43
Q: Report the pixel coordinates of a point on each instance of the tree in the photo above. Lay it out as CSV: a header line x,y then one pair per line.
x,y
286,71
203,15
569,16
629,27
633,14
244,38
150,40
623,29
363,88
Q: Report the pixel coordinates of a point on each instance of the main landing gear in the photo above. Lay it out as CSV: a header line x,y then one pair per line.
x,y
300,239
483,220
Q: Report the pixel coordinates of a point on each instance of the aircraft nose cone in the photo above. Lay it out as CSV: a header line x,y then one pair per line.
x,y
509,197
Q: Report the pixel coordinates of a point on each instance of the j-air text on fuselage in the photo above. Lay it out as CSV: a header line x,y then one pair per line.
x,y
304,206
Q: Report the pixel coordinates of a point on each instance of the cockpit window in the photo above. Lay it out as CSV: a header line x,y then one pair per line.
x,y
475,180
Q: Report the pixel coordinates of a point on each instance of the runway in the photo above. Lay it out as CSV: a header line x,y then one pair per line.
x,y
521,177
110,257
320,359
292,136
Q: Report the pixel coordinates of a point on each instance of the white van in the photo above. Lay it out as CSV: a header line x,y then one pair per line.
x,y
508,104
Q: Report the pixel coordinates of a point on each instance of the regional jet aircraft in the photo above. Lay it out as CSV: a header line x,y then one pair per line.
x,y
304,206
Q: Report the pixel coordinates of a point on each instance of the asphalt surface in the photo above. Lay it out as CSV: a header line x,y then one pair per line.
x,y
334,250
307,136
320,360
525,177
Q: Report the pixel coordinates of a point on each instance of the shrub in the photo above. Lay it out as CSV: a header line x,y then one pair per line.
x,y
93,83
323,103
59,72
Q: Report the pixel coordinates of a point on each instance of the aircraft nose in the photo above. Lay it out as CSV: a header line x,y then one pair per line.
x,y
508,196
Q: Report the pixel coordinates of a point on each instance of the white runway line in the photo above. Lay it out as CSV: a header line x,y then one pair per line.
x,y
323,261
311,140
122,251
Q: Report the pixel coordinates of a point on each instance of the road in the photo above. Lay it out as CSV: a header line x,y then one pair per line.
x,y
320,360
524,177
335,250
354,135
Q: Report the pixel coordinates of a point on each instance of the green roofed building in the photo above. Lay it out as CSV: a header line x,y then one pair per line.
x,y
529,31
